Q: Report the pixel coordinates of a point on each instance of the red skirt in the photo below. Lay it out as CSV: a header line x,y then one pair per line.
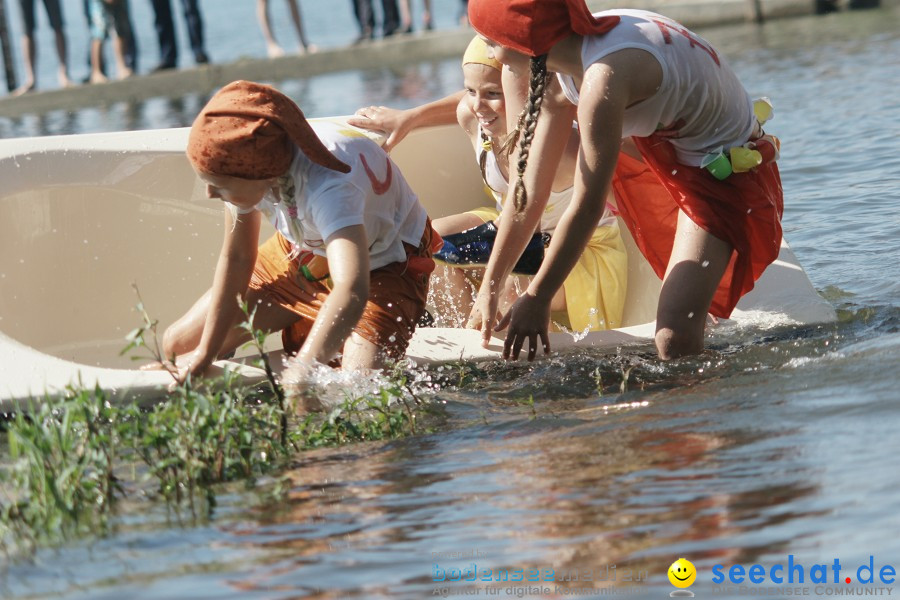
x,y
744,210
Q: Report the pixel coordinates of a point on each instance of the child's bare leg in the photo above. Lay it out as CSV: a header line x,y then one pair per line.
x,y
451,295
273,50
427,23
122,70
29,55
360,353
297,18
698,262
183,336
62,54
97,75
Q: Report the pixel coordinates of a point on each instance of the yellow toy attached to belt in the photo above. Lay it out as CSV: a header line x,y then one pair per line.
x,y
741,159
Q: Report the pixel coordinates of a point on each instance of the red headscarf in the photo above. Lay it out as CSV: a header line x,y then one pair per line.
x,y
248,130
534,26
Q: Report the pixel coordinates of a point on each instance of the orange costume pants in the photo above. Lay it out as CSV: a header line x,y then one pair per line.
x,y
397,293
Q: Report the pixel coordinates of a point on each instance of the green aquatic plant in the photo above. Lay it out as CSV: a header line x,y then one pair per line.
x,y
388,414
62,477
74,458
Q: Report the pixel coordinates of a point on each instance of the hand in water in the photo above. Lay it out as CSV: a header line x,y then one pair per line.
x,y
394,123
528,318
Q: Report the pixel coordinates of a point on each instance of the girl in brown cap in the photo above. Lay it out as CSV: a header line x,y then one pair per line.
x,y
347,271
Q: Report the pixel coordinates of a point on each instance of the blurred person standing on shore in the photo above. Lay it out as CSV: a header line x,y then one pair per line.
x,y
406,16
165,32
129,50
273,49
29,49
106,15
365,16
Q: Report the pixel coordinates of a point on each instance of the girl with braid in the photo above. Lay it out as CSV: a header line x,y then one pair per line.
x,y
708,234
593,295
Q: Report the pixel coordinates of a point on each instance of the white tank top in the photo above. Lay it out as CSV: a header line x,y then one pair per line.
x,y
700,106
556,204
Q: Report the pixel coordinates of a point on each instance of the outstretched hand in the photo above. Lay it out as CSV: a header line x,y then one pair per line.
x,y
394,123
528,318
184,366
484,316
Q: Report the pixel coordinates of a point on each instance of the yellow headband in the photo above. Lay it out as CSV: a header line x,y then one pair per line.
x,y
477,52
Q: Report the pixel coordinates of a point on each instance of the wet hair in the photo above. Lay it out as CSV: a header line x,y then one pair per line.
x,y
527,124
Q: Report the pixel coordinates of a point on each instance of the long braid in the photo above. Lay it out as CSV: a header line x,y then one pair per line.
x,y
513,136
532,111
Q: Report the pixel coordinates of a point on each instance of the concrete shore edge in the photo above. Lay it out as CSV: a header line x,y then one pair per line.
x,y
427,46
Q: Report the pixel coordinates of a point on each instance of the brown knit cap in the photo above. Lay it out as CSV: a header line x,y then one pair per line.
x,y
248,130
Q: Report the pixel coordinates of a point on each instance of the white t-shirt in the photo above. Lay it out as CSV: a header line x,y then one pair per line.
x,y
557,203
701,105
374,194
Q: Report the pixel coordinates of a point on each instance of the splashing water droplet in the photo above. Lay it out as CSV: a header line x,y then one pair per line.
x,y
691,315
704,264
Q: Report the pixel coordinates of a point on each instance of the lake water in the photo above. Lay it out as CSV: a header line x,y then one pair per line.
x,y
230,27
775,444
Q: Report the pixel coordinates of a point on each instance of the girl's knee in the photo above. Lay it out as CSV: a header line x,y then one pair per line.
x,y
177,341
671,344
168,343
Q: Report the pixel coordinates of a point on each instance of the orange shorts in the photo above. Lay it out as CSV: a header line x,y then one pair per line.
x,y
744,210
397,293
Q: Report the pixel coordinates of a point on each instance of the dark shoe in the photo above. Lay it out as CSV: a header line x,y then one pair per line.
x,y
162,67
201,58
472,247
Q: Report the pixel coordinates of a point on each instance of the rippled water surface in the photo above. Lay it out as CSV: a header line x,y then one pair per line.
x,y
776,442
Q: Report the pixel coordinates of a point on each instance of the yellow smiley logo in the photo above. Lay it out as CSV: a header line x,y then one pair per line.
x,y
682,573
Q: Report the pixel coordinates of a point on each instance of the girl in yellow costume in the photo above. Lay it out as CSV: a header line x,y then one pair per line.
x,y
593,295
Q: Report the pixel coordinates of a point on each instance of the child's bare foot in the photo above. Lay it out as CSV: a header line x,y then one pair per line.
x,y
23,89
308,49
124,73
274,50
64,80
98,78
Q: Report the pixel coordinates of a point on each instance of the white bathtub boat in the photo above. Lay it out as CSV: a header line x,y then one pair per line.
x,y
84,217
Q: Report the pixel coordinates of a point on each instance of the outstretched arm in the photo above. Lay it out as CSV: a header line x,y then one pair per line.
x,y
516,228
398,123
233,271
348,264
607,89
